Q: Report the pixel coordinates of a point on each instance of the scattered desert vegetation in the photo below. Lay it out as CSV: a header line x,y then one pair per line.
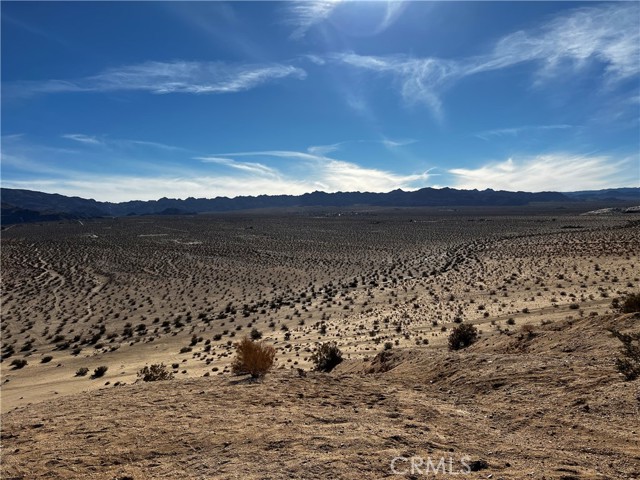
x,y
371,299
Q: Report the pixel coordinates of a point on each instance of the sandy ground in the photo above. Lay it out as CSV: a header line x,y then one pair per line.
x,y
549,406
128,292
125,293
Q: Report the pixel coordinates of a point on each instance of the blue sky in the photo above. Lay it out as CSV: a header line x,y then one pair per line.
x,y
120,101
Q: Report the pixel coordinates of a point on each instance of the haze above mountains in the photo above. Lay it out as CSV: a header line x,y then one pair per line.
x,y
21,206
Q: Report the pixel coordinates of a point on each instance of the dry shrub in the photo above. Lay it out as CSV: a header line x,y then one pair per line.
x,y
18,363
99,371
528,331
629,304
462,336
629,363
156,372
327,357
253,358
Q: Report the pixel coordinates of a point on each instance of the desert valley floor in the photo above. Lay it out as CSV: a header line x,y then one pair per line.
x,y
536,397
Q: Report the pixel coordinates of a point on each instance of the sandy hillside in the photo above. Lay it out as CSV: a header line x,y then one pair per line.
x,y
544,403
129,292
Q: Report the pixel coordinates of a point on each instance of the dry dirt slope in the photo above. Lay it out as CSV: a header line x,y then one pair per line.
x,y
548,405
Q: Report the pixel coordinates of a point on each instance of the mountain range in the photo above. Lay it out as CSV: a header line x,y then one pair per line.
x,y
20,206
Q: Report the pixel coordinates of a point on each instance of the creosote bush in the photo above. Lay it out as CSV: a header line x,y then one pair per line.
x,y
253,358
82,371
462,336
18,363
327,357
156,372
99,371
256,334
629,363
629,304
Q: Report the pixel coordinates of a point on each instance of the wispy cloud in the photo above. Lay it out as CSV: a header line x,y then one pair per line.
x,y
122,188
305,14
24,163
86,139
105,141
326,175
552,172
332,175
152,175
337,175
219,24
325,149
515,131
12,136
420,80
388,143
607,34
33,29
250,167
394,9
166,77
391,144
24,157
144,144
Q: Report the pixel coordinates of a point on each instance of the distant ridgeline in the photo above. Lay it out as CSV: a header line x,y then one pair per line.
x,y
20,206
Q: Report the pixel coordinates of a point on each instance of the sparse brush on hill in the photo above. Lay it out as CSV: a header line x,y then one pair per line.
x,y
253,358
327,357
256,334
629,364
99,371
18,363
462,336
155,372
629,304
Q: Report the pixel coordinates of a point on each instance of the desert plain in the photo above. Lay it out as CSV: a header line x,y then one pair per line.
x,y
537,396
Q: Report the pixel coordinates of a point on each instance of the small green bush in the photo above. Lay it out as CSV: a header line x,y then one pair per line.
x,y
82,371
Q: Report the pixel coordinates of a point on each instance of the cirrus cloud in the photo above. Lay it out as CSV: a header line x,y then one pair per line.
x,y
605,34
165,77
551,172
